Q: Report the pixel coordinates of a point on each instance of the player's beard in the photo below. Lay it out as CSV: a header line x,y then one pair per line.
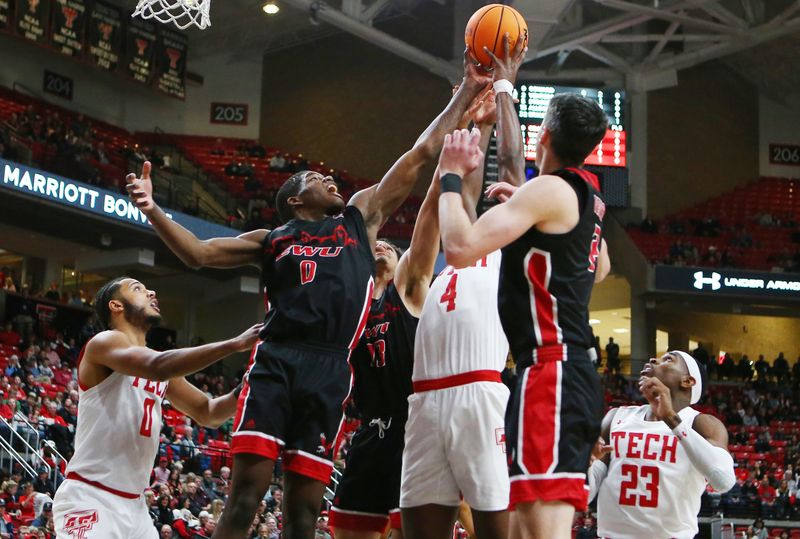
x,y
138,317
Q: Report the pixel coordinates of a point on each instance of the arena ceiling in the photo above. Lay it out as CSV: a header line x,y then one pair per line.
x,y
639,43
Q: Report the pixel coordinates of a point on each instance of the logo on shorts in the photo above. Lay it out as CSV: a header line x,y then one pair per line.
x,y
78,523
500,437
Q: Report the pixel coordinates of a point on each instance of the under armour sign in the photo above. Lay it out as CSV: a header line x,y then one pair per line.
x,y
720,281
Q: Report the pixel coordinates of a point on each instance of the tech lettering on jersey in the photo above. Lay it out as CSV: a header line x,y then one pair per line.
x,y
159,389
645,446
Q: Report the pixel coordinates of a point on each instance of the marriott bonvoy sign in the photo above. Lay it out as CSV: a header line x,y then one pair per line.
x,y
87,198
728,282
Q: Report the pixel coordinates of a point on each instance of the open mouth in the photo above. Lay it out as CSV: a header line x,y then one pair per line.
x,y
154,305
334,190
647,370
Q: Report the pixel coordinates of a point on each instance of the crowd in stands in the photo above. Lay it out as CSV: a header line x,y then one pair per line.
x,y
754,226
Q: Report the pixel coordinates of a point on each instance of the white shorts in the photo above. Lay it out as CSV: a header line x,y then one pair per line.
x,y
455,443
86,512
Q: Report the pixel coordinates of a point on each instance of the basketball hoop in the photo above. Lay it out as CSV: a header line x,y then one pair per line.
x,y
183,13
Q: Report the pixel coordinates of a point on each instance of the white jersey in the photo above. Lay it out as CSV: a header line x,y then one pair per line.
x,y
116,441
652,489
459,329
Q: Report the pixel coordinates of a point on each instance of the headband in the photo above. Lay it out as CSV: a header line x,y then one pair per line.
x,y
694,372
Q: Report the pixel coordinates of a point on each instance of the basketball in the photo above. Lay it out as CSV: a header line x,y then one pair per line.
x,y
486,28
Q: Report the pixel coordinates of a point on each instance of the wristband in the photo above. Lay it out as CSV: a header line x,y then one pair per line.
x,y
450,183
503,85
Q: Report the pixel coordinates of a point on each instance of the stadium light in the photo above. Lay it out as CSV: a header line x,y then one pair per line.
x,y
271,8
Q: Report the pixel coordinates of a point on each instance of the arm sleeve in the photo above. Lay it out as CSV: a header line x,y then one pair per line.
x,y
715,463
597,473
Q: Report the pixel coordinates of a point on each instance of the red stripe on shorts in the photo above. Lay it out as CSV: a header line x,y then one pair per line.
x,y
353,521
307,465
538,430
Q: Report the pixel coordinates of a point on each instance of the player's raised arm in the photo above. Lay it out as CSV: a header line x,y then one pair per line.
x,y
208,412
213,253
415,269
378,202
114,350
510,151
465,242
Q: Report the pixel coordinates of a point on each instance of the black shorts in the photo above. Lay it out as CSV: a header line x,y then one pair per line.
x,y
369,491
291,404
552,423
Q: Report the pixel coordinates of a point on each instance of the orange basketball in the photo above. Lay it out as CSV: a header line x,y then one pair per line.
x,y
487,27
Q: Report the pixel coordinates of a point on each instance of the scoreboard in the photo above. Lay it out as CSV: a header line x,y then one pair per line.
x,y
534,98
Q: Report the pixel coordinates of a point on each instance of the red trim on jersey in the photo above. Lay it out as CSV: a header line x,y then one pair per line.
x,y
339,438
456,380
78,368
362,323
353,521
77,477
538,429
568,490
395,522
242,400
244,442
586,176
538,273
308,465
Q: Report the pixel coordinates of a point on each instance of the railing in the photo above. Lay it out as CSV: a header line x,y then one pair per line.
x,y
19,449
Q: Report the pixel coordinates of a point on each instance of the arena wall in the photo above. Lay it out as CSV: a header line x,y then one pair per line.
x,y
702,138
778,124
347,102
127,104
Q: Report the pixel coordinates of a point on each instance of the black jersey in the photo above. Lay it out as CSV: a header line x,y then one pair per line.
x,y
546,279
383,361
318,278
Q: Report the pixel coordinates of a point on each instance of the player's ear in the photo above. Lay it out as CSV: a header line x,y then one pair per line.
x,y
688,382
544,136
115,306
294,202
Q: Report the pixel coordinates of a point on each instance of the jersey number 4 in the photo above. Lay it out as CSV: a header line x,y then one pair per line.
x,y
632,477
146,429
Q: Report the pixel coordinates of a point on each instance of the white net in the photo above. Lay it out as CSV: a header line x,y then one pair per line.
x,y
183,13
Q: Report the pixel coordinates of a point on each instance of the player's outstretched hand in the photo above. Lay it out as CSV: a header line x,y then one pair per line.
x,y
658,395
502,191
141,189
461,152
483,109
475,76
246,340
508,66
600,449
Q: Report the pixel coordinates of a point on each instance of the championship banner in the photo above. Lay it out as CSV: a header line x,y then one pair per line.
x,y
140,47
5,10
32,18
105,36
67,27
171,63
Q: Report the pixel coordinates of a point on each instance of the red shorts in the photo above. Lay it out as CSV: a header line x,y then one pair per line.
x,y
552,423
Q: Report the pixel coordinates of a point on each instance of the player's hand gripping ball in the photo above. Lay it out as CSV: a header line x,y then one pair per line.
x,y
487,27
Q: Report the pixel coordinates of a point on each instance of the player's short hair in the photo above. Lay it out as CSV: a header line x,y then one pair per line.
x,y
576,126
106,293
290,188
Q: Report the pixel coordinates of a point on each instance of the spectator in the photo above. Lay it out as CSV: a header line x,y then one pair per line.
x,y
749,419
758,530
587,530
208,485
768,496
277,163
700,354
762,368
42,483
45,516
8,285
52,293
160,473
166,532
6,525
744,369
780,367
612,356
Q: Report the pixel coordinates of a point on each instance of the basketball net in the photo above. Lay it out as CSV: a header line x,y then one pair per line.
x,y
183,13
